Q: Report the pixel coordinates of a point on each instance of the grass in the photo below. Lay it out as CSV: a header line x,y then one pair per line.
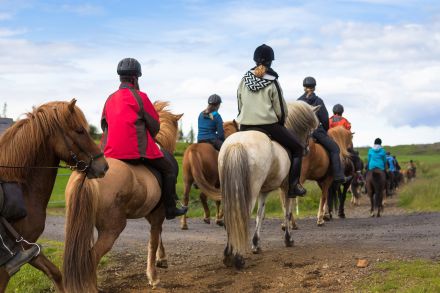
x,y
29,279
403,276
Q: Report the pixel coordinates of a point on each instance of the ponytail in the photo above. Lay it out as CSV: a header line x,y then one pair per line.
x,y
260,70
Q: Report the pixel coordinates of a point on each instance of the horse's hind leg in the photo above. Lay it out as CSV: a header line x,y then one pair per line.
x,y
187,188
219,216
46,266
260,216
156,220
207,212
288,217
161,258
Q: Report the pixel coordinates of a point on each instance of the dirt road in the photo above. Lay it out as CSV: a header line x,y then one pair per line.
x,y
323,258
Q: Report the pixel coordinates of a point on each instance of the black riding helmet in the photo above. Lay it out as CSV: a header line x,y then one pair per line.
x,y
214,99
338,109
378,141
264,54
309,82
129,67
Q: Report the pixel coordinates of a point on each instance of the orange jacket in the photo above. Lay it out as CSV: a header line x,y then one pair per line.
x,y
337,120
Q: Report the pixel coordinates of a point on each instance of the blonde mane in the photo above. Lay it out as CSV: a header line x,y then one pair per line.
x,y
343,138
167,136
24,143
301,119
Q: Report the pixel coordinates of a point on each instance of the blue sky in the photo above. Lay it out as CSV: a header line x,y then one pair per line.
x,y
379,58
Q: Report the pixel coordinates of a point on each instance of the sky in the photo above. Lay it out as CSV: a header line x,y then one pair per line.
x,y
378,58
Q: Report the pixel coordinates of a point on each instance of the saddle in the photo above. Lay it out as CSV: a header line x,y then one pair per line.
x,y
12,206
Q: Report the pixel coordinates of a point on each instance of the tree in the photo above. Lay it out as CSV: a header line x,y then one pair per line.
x,y
190,136
93,131
181,136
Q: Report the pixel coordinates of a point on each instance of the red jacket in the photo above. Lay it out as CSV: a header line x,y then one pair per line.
x,y
128,131
337,120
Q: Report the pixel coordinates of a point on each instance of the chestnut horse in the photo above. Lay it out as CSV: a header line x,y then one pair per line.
x,y
200,167
34,146
250,166
126,192
316,166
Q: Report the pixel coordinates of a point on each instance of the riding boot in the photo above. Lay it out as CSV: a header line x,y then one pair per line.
x,y
338,172
12,255
169,197
295,188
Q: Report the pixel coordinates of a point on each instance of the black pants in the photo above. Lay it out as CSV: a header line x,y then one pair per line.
x,y
330,145
280,134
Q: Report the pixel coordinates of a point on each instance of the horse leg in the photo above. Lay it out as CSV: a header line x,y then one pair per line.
x,y
260,215
161,258
288,217
46,266
330,202
187,188
342,198
206,211
323,201
219,216
156,220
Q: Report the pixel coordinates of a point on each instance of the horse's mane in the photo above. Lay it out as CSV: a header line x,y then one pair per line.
x,y
24,143
230,127
167,136
343,138
301,118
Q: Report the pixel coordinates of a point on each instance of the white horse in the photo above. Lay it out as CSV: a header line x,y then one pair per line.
x,y
250,166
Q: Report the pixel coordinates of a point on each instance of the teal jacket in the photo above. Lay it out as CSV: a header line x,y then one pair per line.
x,y
377,158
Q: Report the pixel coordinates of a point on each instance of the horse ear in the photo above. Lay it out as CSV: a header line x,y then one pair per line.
x,y
178,116
72,105
316,108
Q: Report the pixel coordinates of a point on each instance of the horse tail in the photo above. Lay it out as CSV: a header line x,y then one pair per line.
x,y
236,190
199,176
79,264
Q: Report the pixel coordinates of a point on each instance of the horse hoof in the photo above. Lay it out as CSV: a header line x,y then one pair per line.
x,y
372,215
320,223
288,242
154,284
163,263
207,220
220,223
295,227
341,216
378,215
256,250
326,218
238,262
184,227
228,261
283,227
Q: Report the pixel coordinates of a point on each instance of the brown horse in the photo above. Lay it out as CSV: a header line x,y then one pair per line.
x,y
52,132
126,192
376,187
200,166
316,166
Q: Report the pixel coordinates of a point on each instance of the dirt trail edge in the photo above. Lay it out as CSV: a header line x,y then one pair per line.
x,y
322,259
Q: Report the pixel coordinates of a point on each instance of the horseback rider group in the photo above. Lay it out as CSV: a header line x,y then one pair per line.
x,y
130,124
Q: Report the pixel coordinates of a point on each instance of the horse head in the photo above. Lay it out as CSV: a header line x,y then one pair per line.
x,y
167,136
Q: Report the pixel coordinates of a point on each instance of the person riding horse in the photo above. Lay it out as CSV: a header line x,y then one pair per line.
x,y
12,208
391,163
320,134
210,124
130,123
261,106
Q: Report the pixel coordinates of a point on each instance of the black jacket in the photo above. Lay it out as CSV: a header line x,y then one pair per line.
x,y
322,113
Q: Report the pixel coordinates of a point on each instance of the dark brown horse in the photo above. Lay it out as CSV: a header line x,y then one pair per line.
x,y
200,166
376,187
316,166
52,132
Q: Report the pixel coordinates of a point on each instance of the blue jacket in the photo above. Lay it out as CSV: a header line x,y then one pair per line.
x,y
377,158
391,163
210,127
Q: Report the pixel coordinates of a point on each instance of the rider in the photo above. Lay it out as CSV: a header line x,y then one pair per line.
x,y
211,124
338,120
261,106
320,134
12,249
130,123
391,169
377,156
